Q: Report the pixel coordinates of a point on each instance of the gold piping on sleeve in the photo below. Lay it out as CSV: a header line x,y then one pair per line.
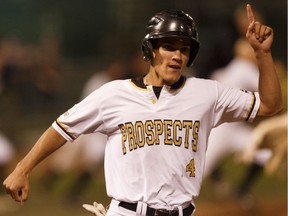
x,y
65,130
251,107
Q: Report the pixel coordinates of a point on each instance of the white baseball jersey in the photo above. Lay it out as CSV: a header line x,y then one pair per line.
x,y
155,152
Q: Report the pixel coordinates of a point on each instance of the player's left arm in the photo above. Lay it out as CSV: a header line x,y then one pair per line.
x,y
260,38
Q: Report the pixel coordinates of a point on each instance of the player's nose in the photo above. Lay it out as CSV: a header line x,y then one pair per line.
x,y
177,55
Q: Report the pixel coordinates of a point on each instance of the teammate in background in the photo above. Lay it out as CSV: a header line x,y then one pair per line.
x,y
158,125
270,133
241,72
29,74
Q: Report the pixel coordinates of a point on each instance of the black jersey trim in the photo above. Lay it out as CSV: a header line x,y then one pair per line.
x,y
64,130
179,83
252,107
138,81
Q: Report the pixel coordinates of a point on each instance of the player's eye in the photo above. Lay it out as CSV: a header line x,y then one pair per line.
x,y
168,46
171,47
185,49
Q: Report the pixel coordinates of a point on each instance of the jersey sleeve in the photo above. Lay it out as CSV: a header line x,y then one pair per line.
x,y
235,104
84,117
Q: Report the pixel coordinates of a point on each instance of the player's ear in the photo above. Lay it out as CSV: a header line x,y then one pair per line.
x,y
147,50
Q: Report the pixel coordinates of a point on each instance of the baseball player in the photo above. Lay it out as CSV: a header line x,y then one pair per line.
x,y
158,125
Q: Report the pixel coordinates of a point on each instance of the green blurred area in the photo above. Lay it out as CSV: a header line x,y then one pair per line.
x,y
268,194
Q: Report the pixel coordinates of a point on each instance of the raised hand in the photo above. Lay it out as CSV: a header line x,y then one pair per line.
x,y
259,36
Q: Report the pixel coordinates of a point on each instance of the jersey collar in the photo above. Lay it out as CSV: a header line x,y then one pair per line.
x,y
138,81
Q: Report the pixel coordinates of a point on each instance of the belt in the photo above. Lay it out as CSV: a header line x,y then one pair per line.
x,y
158,212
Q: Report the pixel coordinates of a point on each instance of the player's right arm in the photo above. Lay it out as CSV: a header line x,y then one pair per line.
x,y
17,183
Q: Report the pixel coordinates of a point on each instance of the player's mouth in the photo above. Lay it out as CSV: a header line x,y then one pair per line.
x,y
175,67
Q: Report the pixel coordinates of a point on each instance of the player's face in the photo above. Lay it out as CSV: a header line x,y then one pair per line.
x,y
170,58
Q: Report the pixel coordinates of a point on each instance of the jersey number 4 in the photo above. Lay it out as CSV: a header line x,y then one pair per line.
x,y
191,168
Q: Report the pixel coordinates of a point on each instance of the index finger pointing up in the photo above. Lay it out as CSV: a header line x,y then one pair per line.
x,y
250,14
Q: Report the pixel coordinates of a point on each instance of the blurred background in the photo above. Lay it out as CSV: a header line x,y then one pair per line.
x,y
53,53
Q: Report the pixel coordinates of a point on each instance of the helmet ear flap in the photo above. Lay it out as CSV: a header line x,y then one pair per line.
x,y
147,50
193,52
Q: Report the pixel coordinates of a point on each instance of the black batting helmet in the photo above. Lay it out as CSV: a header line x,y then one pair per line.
x,y
171,23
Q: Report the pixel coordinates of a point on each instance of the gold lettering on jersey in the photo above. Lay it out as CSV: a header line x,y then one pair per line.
x,y
149,127
130,135
139,132
124,137
190,167
196,126
168,132
167,126
187,125
158,130
177,126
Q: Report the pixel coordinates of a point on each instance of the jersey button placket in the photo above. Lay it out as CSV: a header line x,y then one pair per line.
x,y
152,96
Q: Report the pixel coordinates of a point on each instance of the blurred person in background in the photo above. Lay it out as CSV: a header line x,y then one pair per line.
x,y
271,133
238,69
30,78
233,138
87,153
230,138
29,85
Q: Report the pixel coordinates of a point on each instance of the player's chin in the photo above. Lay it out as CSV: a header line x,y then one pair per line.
x,y
173,77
